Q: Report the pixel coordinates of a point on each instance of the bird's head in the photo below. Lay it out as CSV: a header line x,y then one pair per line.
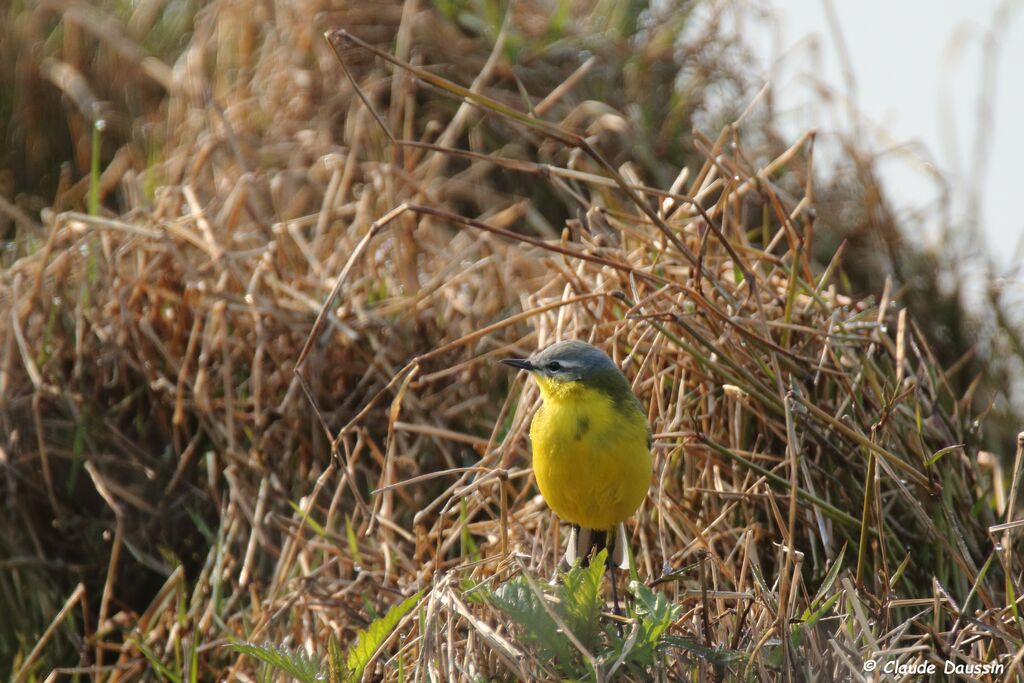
x,y
564,368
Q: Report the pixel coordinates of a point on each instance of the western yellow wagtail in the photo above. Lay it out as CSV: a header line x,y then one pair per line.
x,y
591,446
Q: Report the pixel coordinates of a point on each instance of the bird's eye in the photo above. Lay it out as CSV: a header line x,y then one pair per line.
x,y
554,366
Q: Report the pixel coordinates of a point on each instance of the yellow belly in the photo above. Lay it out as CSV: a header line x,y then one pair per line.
x,y
591,459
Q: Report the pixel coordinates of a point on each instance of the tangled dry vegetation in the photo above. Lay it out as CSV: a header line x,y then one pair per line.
x,y
820,494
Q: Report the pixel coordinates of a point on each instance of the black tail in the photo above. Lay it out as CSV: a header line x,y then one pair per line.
x,y
585,543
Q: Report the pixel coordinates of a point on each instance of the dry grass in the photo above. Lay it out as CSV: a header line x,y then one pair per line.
x,y
257,465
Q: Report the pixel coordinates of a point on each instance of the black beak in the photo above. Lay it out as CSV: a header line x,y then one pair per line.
x,y
520,363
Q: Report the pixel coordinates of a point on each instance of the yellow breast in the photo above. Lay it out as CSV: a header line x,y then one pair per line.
x,y
590,456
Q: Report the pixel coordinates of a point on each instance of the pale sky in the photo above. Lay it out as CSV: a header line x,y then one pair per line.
x,y
918,73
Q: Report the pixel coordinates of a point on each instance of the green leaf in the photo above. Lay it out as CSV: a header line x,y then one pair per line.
x,y
558,20
655,613
680,574
353,544
371,639
518,601
938,454
162,669
581,599
317,528
717,656
830,578
193,660
295,664
336,669
94,168
798,632
811,619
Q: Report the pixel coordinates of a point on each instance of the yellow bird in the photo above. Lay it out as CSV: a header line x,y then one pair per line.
x,y
591,446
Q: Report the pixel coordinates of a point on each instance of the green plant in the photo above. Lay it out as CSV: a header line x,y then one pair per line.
x,y
350,667
564,624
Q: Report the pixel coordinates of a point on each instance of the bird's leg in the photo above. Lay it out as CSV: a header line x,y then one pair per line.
x,y
613,574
